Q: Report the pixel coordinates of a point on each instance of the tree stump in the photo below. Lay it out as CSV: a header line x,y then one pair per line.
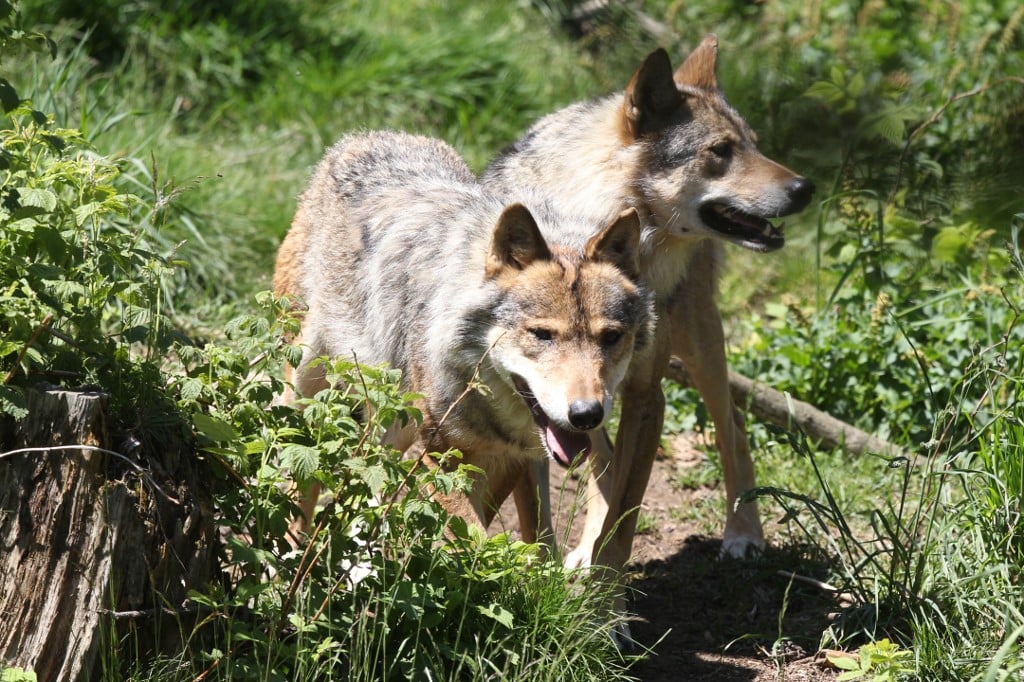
x,y
87,534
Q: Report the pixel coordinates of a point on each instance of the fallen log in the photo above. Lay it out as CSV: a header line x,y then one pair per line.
x,y
778,408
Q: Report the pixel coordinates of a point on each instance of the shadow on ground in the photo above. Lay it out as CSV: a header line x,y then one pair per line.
x,y
707,618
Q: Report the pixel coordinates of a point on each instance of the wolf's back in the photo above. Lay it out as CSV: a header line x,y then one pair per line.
x,y
388,225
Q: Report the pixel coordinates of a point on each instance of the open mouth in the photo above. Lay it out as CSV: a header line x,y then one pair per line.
x,y
751,231
565,447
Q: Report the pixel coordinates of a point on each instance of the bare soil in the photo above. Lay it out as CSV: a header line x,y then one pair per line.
x,y
701,617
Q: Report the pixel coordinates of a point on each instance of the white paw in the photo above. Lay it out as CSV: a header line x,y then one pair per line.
x,y
739,546
577,558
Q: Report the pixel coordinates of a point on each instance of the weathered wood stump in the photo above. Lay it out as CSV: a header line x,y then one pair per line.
x,y
88,533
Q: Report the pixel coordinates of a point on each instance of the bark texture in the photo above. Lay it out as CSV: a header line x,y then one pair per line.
x,y
87,532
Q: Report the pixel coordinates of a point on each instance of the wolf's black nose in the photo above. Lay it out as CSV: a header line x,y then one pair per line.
x,y
800,191
586,414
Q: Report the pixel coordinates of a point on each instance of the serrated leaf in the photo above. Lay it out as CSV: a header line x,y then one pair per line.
x,y
45,271
255,447
301,459
191,389
292,355
375,477
12,402
498,613
37,198
825,92
86,211
214,428
17,675
888,126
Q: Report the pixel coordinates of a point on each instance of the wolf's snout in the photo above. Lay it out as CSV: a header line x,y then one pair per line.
x,y
586,414
800,191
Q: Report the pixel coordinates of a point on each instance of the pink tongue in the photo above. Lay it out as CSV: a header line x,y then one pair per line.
x,y
566,446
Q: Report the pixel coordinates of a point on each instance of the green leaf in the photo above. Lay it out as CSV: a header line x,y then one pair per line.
x,y
301,459
856,85
17,675
37,198
949,244
191,389
375,476
12,402
825,92
797,356
85,211
888,125
498,613
214,428
45,271
9,99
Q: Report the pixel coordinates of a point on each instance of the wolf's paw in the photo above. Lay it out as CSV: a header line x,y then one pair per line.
x,y
577,558
739,546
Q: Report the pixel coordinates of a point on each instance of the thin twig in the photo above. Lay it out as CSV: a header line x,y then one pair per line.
x,y
937,114
92,448
470,385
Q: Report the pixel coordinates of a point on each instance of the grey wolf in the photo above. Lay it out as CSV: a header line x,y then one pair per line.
x,y
401,257
671,147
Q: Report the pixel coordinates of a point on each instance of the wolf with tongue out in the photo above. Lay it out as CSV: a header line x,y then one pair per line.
x,y
514,322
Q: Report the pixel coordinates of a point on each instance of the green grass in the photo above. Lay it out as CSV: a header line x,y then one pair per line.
x,y
895,305
236,128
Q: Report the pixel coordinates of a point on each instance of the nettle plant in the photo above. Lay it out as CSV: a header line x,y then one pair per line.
x,y
81,290
384,569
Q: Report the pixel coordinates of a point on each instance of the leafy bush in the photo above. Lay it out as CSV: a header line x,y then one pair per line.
x,y
86,288
384,570
81,283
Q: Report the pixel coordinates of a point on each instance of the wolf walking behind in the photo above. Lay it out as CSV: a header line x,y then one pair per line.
x,y
401,257
671,147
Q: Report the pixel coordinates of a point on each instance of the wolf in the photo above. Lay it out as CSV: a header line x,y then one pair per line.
x,y
673,148
401,257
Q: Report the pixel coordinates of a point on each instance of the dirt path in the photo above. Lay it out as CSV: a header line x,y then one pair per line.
x,y
705,618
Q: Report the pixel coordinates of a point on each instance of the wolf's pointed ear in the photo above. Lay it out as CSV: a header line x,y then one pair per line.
x,y
651,96
699,68
619,244
517,241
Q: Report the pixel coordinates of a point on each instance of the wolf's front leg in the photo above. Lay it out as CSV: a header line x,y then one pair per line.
x,y
698,340
533,504
619,478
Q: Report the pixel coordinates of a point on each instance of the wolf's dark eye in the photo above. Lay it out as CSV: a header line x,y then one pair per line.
x,y
541,334
722,150
610,337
